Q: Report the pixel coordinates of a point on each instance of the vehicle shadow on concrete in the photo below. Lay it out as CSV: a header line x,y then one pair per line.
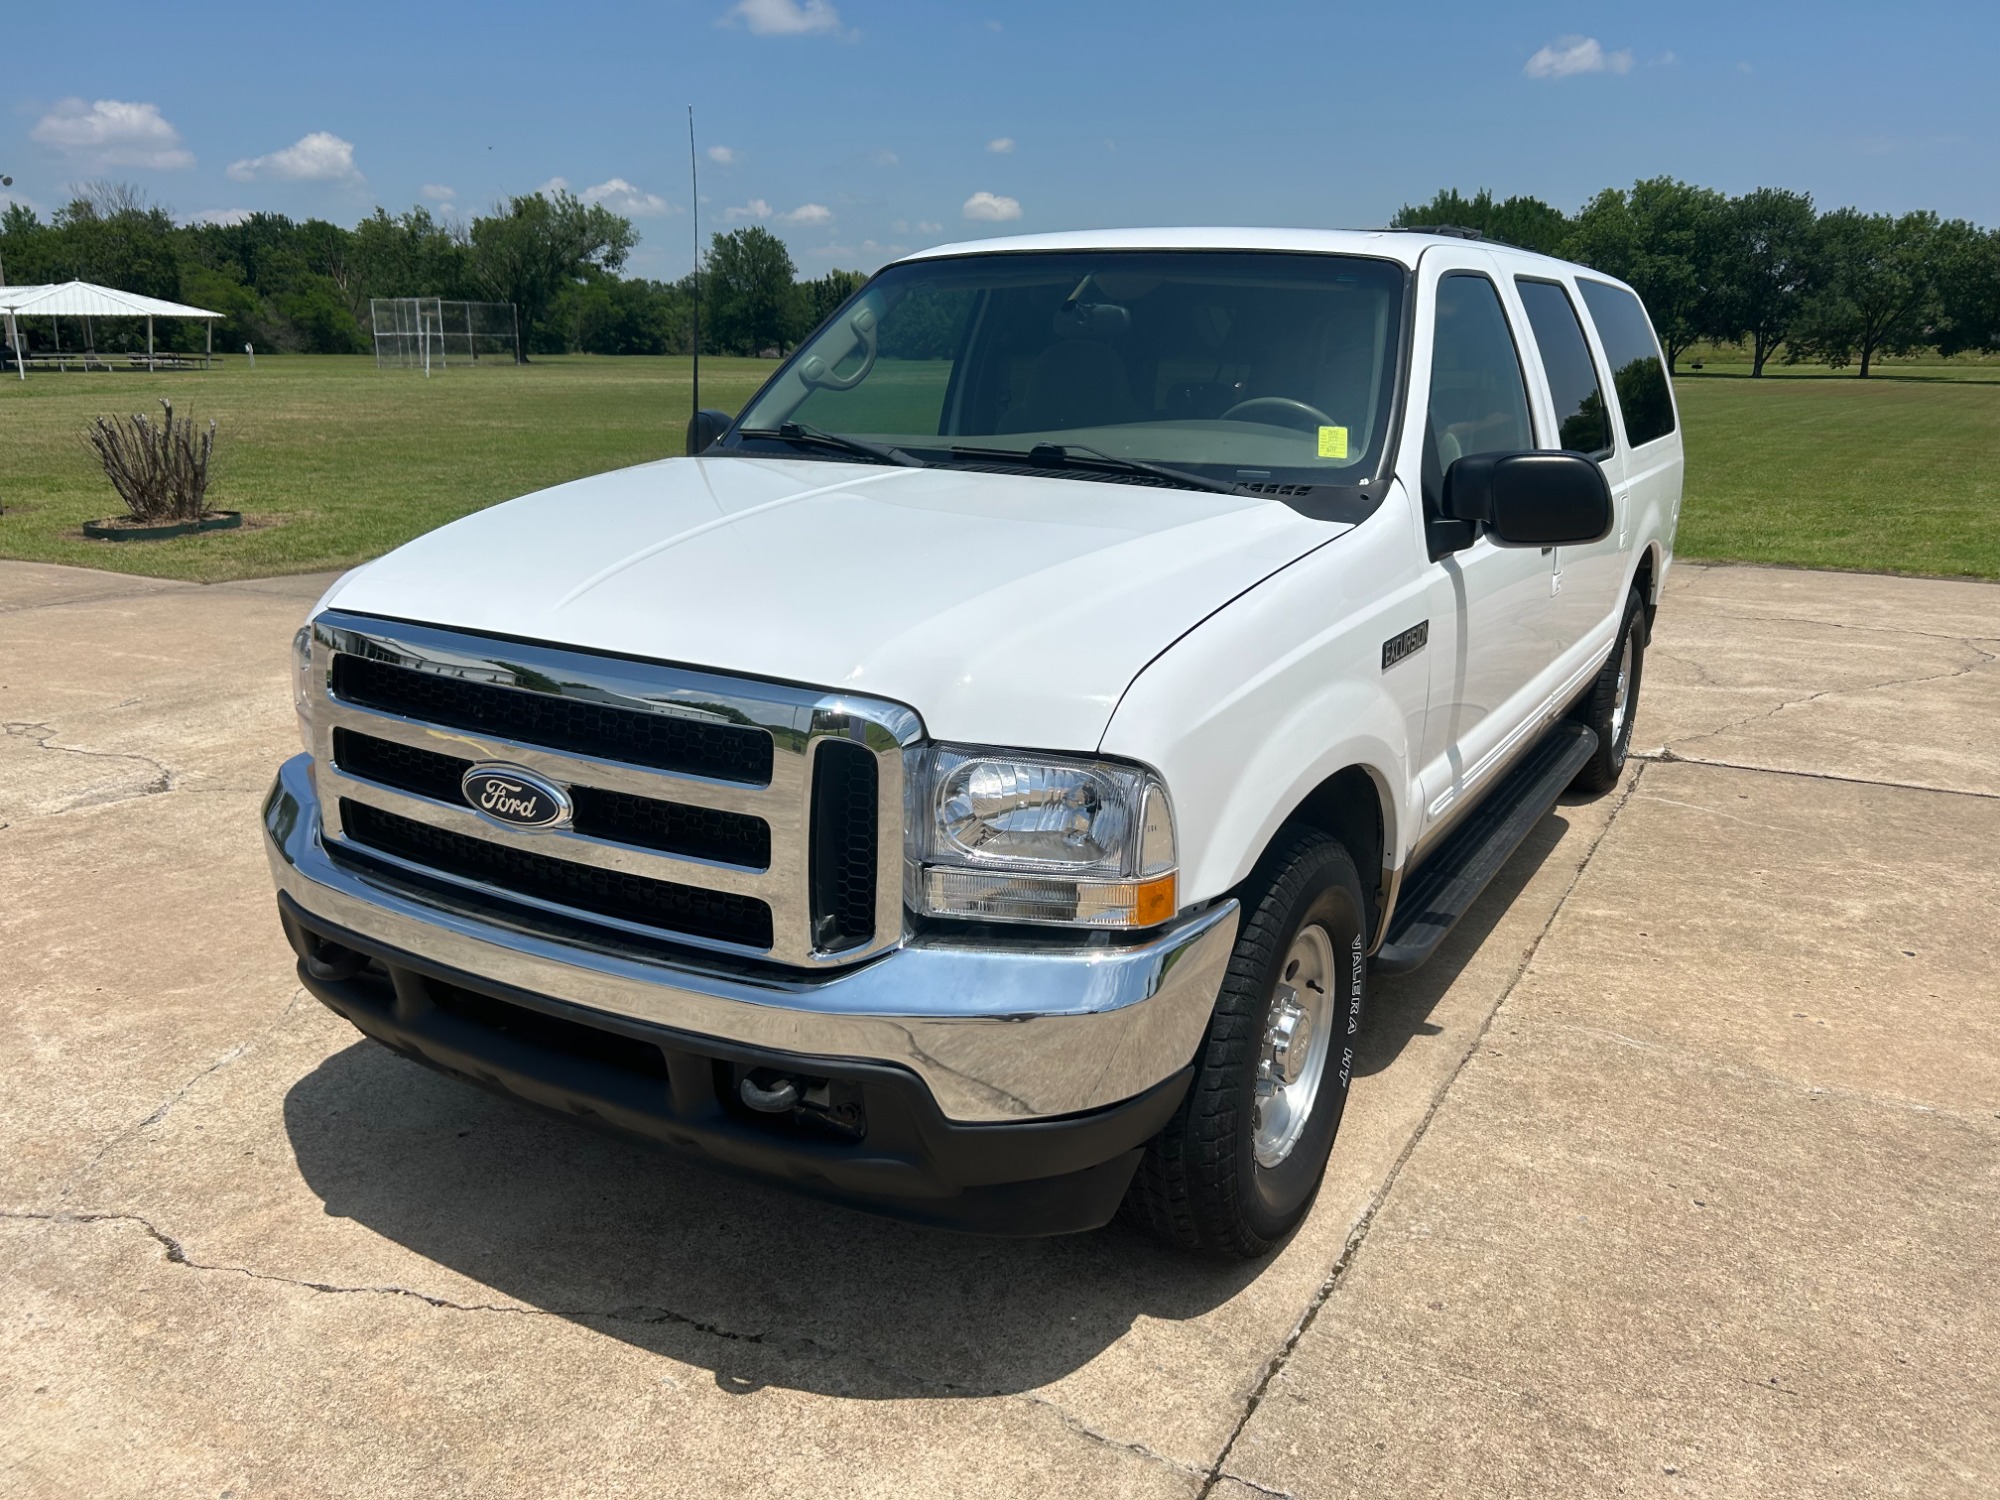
x,y
1400,1006
759,1286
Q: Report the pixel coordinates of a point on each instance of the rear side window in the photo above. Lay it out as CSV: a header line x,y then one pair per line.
x,y
1582,423
1638,374
1478,402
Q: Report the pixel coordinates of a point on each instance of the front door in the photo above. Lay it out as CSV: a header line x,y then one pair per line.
x,y
1490,603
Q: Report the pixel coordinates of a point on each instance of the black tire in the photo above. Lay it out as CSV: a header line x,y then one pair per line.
x,y
1200,1185
1599,706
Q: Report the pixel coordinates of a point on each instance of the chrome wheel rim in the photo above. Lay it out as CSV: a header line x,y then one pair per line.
x,y
1621,696
1298,1033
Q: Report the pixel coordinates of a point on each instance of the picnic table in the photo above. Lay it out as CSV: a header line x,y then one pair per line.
x,y
90,359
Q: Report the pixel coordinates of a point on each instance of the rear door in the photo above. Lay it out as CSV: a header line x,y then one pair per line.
x,y
1646,481
1586,581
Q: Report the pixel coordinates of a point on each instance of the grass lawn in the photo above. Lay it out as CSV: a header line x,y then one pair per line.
x,y
333,461
1896,473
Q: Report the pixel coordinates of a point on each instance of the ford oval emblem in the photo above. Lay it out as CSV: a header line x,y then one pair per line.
x,y
516,798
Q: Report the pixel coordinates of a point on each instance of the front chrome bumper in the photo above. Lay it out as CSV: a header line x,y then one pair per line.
x,y
996,1033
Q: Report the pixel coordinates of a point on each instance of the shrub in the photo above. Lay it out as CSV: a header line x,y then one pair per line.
x,y
159,470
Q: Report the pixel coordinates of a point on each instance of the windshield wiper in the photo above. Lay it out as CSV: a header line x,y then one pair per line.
x,y
801,435
1077,456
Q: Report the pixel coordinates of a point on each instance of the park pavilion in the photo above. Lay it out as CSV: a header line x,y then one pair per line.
x,y
86,301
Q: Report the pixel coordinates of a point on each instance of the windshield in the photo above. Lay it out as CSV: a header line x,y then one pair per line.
x,y
1238,367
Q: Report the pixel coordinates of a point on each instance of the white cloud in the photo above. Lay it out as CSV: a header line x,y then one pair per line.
x,y
724,156
112,133
1569,55
884,158
437,192
319,157
224,216
929,226
621,197
992,208
1665,60
783,17
756,208
807,213
1004,146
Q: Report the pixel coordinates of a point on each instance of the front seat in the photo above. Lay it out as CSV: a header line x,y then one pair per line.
x,y
1075,383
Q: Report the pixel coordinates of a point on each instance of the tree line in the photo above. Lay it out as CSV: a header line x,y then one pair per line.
x,y
305,285
1766,270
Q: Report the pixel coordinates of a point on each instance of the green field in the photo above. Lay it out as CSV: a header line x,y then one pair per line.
x,y
333,461
1899,473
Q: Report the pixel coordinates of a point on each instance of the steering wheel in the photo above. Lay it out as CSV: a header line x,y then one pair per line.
x,y
815,371
1284,405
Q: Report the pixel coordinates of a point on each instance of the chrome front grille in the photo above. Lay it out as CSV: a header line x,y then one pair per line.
x,y
747,817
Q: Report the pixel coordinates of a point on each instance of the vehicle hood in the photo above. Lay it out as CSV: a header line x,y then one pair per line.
x,y
1003,608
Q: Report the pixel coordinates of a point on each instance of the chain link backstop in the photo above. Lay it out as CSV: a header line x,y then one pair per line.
x,y
428,333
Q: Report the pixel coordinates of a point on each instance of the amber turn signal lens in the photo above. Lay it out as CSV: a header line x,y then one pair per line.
x,y
1154,902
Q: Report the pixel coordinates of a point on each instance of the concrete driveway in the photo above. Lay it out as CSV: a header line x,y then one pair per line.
x,y
1678,1172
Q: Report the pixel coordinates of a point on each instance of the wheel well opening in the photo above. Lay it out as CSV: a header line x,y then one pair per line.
x,y
1348,806
1644,581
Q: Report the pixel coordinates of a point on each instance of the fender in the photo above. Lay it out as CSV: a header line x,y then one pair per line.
x,y
1244,736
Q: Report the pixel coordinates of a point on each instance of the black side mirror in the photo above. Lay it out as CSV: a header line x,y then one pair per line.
x,y
704,427
1540,499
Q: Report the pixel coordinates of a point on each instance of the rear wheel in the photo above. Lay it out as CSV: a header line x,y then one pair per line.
x,y
1238,1165
1612,701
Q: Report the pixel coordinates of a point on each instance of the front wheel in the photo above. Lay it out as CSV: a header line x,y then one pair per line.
x,y
1238,1165
1612,701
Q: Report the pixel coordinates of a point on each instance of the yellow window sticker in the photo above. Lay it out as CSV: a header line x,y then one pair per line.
x,y
1333,442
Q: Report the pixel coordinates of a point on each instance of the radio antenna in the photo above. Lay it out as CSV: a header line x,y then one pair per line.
x,y
694,216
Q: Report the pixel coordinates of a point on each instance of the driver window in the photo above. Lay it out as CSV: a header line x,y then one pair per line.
x,y
1479,402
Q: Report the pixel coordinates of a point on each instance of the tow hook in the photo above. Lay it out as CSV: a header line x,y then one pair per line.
x,y
778,1098
330,962
820,1102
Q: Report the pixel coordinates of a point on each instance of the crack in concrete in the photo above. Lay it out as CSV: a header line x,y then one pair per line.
x,y
1262,1489
1083,1429
176,1254
87,599
1358,1235
639,1315
44,737
119,1137
1986,658
1668,756
1703,677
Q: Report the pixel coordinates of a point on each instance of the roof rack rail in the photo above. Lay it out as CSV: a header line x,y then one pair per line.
x,y
1455,231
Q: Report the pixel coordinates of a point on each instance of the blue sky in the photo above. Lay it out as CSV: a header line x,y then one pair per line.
x,y
857,127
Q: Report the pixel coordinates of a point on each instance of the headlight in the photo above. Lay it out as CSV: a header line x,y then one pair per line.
x,y
302,684
1018,838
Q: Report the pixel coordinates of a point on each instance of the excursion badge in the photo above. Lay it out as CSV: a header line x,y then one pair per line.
x,y
1408,643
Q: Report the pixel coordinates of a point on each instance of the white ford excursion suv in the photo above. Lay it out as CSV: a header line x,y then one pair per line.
x,y
977,785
